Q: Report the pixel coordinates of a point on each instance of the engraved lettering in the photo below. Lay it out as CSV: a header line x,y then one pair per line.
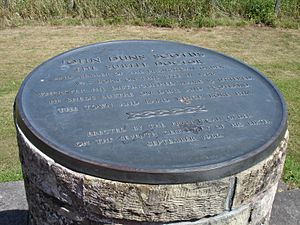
x,y
229,86
212,136
239,116
261,122
85,68
207,74
189,99
220,126
81,144
239,78
54,101
142,86
104,141
94,107
108,81
125,66
156,101
183,62
219,95
87,76
105,81
237,125
185,100
194,89
82,61
165,70
126,58
242,93
191,82
81,99
156,125
62,92
95,133
146,93
168,91
68,109
197,122
97,89
171,141
118,96
178,55
214,67
187,129
129,138
129,104
62,78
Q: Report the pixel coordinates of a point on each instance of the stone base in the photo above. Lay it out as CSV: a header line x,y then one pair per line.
x,y
58,195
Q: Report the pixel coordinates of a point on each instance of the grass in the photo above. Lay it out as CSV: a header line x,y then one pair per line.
x,y
161,13
275,52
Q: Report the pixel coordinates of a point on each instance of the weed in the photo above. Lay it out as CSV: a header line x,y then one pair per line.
x,y
205,22
163,22
260,11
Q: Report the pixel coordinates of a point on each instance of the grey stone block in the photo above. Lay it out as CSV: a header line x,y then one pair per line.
x,y
13,205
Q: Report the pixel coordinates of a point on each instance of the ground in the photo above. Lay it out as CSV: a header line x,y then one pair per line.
x,y
275,52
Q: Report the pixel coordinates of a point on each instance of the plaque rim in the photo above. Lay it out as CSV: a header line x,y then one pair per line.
x,y
150,176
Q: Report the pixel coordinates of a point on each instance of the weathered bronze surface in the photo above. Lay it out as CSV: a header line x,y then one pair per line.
x,y
151,112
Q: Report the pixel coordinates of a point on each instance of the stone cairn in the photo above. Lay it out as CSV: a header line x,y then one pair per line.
x,y
58,195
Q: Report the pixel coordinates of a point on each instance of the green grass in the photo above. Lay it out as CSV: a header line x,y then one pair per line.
x,y
161,13
13,174
275,52
289,83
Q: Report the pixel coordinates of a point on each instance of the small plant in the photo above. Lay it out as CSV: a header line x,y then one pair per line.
x,y
114,20
205,22
185,23
163,22
260,11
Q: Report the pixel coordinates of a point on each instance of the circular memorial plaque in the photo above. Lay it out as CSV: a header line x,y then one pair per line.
x,y
151,112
